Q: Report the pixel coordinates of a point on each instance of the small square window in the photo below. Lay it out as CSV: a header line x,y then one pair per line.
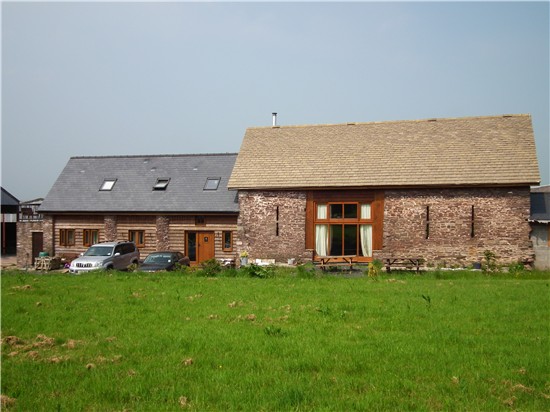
x,y
107,184
161,184
212,183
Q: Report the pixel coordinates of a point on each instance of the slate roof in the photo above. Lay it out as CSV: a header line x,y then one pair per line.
x,y
491,150
8,199
77,187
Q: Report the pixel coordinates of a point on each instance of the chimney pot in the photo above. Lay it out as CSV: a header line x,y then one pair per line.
x,y
274,114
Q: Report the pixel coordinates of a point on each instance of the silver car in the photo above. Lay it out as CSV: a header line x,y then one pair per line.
x,y
107,255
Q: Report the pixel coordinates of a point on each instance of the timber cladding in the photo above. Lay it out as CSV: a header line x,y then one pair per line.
x,y
66,233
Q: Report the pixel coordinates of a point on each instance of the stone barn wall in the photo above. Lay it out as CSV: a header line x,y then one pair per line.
x,y
440,225
272,225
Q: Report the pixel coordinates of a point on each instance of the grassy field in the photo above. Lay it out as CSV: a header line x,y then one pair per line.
x,y
137,342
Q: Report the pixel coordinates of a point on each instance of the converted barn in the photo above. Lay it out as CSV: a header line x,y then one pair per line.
x,y
443,190
166,202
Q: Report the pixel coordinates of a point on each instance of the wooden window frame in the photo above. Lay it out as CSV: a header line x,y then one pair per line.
x,y
88,237
373,197
67,237
230,248
137,236
344,221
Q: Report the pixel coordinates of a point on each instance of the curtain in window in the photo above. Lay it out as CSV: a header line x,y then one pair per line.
x,y
322,211
365,211
321,232
321,239
366,237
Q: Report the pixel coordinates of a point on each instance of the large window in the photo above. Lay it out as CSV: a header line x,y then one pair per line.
x,y
343,229
66,237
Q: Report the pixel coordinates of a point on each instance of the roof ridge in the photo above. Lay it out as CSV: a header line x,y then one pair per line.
x,y
153,156
393,121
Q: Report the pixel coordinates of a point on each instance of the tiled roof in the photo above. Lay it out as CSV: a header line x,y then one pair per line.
x,y
77,187
495,150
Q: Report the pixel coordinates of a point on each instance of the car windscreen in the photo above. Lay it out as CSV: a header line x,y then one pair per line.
x,y
99,251
158,259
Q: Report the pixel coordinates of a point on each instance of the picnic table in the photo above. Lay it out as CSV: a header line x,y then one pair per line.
x,y
408,262
327,261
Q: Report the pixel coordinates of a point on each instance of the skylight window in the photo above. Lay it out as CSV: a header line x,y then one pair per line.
x,y
162,184
107,185
212,183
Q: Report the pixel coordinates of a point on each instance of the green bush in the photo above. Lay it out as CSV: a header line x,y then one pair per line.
x,y
210,268
255,271
306,271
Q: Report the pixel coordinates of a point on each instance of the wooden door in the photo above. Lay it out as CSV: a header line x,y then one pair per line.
x,y
37,244
205,242
199,246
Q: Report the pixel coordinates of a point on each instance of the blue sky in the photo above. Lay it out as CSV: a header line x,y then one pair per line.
x,y
82,79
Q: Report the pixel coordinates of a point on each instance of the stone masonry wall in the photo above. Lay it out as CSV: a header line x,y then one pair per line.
x,y
257,225
110,228
24,239
500,225
163,231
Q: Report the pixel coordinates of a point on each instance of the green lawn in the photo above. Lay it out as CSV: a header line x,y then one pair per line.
x,y
125,341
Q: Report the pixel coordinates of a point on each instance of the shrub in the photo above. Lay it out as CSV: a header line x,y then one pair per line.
x,y
374,269
255,271
516,268
489,263
210,268
306,271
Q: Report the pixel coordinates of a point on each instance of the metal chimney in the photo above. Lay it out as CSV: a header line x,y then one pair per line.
x,y
274,119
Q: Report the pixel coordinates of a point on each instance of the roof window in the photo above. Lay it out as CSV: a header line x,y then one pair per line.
x,y
162,184
212,183
107,185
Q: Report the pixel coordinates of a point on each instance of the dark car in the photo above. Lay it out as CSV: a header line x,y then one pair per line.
x,y
158,261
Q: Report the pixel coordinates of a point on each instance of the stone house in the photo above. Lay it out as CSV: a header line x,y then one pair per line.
x,y
540,224
445,190
161,202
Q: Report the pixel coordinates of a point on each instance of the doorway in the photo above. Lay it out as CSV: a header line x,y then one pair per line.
x,y
37,244
200,246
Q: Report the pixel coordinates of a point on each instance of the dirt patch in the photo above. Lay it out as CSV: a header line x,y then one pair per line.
x,y
6,401
24,287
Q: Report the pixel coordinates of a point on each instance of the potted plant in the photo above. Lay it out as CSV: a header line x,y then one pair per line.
x,y
244,258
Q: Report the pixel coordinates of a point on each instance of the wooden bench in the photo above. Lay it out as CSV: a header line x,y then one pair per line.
x,y
409,263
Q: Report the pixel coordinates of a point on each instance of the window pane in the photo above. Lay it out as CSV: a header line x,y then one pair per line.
x,y
336,211
321,239
192,246
321,211
161,184
108,184
350,239
212,183
227,241
350,211
335,240
365,211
